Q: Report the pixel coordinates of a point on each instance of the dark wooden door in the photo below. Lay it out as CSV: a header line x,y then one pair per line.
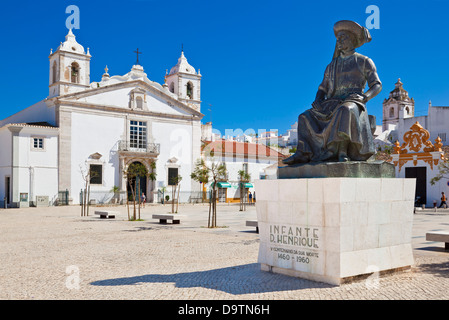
x,y
8,190
420,173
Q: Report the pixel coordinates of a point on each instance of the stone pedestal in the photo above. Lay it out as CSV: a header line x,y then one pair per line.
x,y
350,169
334,229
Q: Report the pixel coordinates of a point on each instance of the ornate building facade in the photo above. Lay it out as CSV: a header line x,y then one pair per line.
x,y
104,126
417,157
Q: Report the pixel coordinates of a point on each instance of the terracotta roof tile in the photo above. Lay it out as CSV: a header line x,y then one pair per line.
x,y
241,148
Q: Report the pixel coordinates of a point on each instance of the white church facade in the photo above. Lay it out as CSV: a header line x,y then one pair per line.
x,y
104,126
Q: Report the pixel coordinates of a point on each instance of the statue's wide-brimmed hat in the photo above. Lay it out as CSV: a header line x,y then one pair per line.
x,y
362,34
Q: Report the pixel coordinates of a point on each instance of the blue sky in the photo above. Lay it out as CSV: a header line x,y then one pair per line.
x,y
261,61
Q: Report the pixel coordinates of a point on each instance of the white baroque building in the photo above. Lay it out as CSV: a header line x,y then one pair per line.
x,y
103,126
417,142
399,117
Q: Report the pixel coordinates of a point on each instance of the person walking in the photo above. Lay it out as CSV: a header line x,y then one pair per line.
x,y
143,200
443,200
250,198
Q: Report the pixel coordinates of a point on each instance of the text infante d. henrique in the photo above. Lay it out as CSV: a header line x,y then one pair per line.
x,y
295,236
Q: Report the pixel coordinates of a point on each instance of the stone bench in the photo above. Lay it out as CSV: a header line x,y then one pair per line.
x,y
253,223
440,236
105,214
175,218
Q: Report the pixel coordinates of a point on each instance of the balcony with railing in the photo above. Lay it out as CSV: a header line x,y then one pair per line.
x,y
132,146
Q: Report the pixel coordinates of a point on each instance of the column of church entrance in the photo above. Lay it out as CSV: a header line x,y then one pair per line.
x,y
150,184
122,177
154,192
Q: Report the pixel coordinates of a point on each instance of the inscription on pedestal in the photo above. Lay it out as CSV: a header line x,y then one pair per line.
x,y
294,243
296,236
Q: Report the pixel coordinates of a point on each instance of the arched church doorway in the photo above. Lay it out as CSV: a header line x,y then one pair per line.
x,y
137,180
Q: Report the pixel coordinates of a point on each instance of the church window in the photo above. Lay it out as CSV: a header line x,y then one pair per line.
x,y
407,110
172,87
139,103
96,173
38,143
172,174
53,72
138,134
75,73
190,90
391,112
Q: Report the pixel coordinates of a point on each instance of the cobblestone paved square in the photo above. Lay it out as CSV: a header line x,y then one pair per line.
x,y
54,253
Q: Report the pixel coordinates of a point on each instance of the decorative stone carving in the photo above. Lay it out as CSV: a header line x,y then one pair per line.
x,y
417,146
95,156
138,99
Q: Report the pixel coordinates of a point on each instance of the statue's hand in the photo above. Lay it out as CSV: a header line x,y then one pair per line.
x,y
320,96
358,97
317,105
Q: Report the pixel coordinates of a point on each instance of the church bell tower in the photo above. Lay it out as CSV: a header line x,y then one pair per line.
x,y
69,68
398,106
185,82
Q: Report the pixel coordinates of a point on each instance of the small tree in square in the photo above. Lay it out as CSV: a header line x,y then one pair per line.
x,y
87,175
243,178
135,171
214,172
175,183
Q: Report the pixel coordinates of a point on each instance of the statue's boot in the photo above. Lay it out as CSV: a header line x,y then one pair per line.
x,y
343,151
343,157
296,158
355,155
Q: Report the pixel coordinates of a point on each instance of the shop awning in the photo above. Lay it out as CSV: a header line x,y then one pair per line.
x,y
248,185
223,184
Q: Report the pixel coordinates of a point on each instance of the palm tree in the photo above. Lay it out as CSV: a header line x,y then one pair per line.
x,y
162,190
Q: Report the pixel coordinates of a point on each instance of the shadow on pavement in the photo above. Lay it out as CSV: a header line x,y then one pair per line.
x,y
241,279
434,249
437,269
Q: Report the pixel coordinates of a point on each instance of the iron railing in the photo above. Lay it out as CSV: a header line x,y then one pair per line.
x,y
132,146
63,198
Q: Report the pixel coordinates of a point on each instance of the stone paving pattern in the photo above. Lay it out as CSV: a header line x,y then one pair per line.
x,y
43,249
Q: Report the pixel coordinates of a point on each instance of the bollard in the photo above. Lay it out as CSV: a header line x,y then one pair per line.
x,y
4,202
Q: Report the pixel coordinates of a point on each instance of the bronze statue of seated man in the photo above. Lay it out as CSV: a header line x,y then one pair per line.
x,y
337,127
